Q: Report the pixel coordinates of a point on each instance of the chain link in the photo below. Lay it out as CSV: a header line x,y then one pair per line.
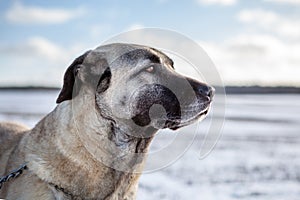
x,y
13,174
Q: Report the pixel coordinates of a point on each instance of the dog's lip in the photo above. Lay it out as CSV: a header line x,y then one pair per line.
x,y
189,121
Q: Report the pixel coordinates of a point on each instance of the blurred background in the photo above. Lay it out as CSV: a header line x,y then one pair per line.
x,y
254,44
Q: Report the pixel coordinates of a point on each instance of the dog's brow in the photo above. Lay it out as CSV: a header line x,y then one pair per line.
x,y
153,58
150,56
137,54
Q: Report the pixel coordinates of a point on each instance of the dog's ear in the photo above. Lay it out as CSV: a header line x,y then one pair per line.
x,y
69,79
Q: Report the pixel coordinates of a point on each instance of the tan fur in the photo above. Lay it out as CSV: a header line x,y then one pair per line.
x,y
75,152
58,157
10,135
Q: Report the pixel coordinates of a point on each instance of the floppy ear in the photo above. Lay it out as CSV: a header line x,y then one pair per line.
x,y
69,79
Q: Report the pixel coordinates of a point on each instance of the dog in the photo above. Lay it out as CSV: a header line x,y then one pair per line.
x,y
94,144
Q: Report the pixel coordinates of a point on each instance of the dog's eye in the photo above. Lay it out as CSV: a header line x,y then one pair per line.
x,y
150,69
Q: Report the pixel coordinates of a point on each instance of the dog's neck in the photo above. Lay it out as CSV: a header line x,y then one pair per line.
x,y
84,158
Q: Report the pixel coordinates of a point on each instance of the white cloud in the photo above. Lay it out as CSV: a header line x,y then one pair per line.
x,y
271,21
37,61
292,2
37,47
134,27
256,59
219,2
21,14
47,49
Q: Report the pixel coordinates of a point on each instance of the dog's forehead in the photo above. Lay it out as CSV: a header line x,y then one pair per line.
x,y
119,53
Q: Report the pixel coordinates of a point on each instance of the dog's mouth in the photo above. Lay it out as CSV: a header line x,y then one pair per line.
x,y
188,120
185,116
188,116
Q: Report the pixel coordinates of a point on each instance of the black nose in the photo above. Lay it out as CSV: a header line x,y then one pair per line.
x,y
202,89
206,90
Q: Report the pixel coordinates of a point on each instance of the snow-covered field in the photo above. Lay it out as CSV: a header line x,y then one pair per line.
x,y
257,157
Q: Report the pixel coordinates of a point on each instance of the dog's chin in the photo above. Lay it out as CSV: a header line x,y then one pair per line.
x,y
188,120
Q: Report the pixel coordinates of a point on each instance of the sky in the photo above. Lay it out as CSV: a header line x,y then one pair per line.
x,y
253,42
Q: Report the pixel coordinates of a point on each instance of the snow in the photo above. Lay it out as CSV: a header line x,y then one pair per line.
x,y
257,157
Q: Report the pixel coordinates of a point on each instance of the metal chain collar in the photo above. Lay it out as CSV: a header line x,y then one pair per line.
x,y
13,174
19,171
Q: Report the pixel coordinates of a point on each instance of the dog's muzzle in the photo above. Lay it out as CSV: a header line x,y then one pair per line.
x,y
155,102
156,94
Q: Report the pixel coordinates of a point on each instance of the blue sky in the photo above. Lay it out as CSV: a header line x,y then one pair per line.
x,y
251,42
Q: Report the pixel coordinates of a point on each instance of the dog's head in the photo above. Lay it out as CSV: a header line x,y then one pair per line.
x,y
137,86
